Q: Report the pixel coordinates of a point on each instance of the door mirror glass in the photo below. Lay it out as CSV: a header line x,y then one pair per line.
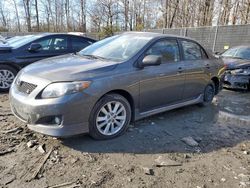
x,y
151,60
34,47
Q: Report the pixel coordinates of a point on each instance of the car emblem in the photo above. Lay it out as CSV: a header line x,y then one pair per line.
x,y
28,91
18,82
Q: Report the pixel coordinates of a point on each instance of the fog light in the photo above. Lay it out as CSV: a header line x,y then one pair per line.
x,y
58,120
50,120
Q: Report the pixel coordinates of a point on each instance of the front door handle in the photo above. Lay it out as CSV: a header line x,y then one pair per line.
x,y
208,66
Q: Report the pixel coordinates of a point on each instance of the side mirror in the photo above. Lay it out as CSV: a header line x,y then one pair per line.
x,y
34,47
217,54
151,60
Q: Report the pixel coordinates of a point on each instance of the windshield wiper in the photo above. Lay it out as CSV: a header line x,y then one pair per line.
x,y
233,57
90,56
238,57
93,56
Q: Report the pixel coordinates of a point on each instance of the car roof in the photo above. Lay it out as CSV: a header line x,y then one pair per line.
x,y
155,35
66,34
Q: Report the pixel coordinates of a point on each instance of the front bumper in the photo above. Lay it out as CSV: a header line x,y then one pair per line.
x,y
73,111
236,81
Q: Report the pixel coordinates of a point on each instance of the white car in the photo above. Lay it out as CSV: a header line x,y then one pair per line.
x,y
77,33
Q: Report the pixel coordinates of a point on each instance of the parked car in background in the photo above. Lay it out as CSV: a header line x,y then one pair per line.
x,y
112,82
237,61
19,52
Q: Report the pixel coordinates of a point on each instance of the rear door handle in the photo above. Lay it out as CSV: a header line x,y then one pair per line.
x,y
180,70
208,66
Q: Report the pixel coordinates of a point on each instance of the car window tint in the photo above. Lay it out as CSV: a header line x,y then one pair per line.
x,y
60,44
167,49
54,43
45,44
191,50
79,44
243,53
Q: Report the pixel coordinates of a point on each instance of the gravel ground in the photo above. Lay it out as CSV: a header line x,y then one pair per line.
x,y
196,147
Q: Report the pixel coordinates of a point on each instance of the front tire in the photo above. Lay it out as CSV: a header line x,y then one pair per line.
x,y
110,117
208,95
7,76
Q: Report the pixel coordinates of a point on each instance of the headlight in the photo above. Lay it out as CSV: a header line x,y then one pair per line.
x,y
237,71
59,89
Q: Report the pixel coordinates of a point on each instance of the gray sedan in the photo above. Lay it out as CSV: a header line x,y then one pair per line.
x,y
104,87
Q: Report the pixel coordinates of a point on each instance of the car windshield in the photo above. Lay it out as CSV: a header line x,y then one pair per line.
x,y
238,52
18,42
13,39
116,48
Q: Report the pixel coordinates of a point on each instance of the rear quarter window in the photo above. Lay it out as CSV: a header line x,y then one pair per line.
x,y
79,43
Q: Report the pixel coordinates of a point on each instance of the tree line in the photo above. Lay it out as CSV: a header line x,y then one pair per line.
x,y
109,16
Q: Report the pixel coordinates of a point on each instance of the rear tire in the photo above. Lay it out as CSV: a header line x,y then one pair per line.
x,y
110,117
208,95
7,76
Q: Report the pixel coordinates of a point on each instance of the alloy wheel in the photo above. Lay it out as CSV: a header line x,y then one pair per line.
x,y
111,118
6,78
209,93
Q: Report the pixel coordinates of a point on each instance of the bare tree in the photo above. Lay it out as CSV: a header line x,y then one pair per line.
x,y
125,7
247,11
174,13
235,12
67,13
83,15
17,16
37,16
26,5
3,16
109,16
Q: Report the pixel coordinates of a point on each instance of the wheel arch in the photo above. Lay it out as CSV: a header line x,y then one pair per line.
x,y
11,65
127,96
216,82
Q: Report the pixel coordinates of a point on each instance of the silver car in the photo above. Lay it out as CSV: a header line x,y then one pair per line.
x,y
104,87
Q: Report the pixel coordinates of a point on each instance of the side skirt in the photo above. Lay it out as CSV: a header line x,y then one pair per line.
x,y
167,108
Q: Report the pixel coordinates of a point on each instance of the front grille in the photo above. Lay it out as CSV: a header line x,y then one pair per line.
x,y
25,87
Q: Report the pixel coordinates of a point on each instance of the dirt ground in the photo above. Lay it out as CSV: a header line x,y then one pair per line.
x,y
152,153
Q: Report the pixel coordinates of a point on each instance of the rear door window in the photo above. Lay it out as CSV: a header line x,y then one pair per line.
x,y
167,49
192,51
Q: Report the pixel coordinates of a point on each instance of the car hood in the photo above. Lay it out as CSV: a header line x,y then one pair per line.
x,y
5,48
233,63
70,67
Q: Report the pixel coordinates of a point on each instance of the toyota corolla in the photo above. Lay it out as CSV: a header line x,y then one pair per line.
x,y
120,79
